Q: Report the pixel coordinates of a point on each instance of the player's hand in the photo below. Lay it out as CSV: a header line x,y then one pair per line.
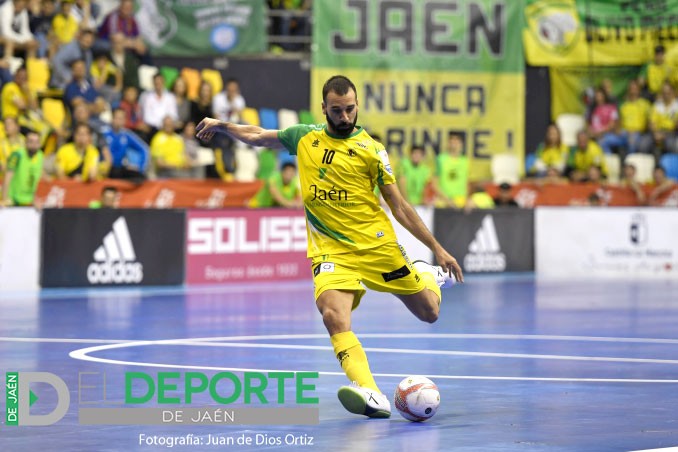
x,y
449,264
207,128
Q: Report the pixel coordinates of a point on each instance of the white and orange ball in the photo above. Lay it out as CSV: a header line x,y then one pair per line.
x,y
417,398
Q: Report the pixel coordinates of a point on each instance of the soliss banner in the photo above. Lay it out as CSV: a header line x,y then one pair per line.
x,y
424,69
202,27
488,241
597,32
110,247
225,246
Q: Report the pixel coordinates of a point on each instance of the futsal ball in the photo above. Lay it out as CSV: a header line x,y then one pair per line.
x,y
416,398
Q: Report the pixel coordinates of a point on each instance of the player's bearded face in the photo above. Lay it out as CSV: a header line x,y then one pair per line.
x,y
341,128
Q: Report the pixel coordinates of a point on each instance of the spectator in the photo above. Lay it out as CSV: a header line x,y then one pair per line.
x,y
157,105
18,101
552,153
202,106
12,140
191,148
79,49
106,78
16,96
133,118
583,155
553,177
15,31
24,170
126,60
280,190
635,115
78,160
80,90
479,199
604,125
64,25
129,154
168,152
110,199
41,27
180,91
228,104
654,74
504,197
664,120
662,185
594,175
415,176
628,180
121,21
86,13
81,115
451,181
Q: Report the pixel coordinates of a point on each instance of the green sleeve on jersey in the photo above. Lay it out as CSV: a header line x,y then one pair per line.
x,y
13,161
291,136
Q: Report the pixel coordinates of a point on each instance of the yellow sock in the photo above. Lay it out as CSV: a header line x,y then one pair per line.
x,y
430,283
353,359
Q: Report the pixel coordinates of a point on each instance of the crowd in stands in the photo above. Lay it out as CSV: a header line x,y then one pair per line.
x,y
644,122
92,120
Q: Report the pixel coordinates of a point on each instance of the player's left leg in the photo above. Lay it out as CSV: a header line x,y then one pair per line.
x,y
338,292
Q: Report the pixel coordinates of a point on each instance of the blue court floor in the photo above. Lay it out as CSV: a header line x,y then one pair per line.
x,y
522,365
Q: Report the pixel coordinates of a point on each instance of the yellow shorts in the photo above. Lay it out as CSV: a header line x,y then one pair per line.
x,y
385,268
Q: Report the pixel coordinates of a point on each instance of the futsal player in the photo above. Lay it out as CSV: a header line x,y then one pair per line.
x,y
351,241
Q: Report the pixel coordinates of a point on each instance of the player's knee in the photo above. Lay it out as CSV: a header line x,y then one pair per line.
x,y
430,315
335,320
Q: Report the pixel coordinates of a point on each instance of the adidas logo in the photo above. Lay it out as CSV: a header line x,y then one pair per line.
x,y
484,251
115,260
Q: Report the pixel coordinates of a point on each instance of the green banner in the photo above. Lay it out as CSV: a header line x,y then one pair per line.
x,y
597,32
203,27
426,68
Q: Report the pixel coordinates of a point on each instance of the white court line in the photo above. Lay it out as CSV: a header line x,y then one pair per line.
x,y
83,354
447,336
368,335
63,340
411,351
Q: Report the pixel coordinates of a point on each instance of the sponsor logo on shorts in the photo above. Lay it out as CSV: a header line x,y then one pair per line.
x,y
325,267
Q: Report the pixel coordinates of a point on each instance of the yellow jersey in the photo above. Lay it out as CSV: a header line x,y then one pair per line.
x,y
72,162
9,93
635,115
338,176
170,148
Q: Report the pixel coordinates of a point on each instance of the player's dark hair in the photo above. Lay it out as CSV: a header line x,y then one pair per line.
x,y
339,85
287,165
109,188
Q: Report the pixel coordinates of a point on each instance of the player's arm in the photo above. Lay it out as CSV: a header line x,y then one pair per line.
x,y
406,215
252,135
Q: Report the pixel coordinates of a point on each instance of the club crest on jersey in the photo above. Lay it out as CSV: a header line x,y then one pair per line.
x,y
315,143
352,153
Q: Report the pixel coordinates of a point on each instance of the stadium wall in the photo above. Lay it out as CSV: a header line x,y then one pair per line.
x,y
137,247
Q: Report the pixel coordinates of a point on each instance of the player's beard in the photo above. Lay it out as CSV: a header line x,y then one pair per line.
x,y
343,130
